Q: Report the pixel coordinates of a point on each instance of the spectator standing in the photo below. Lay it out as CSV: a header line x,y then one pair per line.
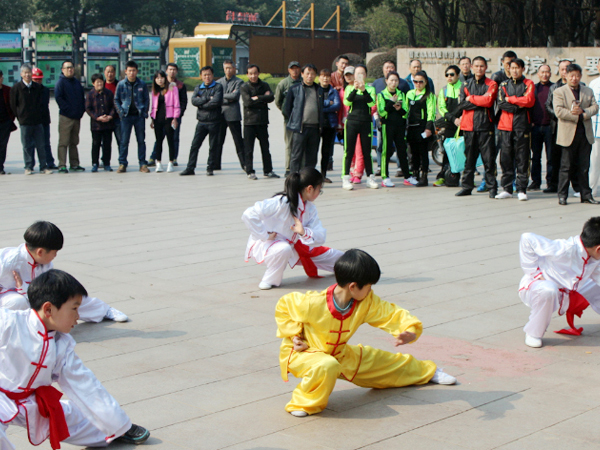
x,y
100,106
110,83
7,121
208,98
280,93
516,97
69,95
465,69
38,77
477,99
331,106
26,102
256,96
541,133
132,102
165,114
574,105
231,115
337,77
416,67
303,110
504,73
595,156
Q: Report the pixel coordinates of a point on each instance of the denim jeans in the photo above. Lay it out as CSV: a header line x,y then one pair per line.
x,y
139,124
32,138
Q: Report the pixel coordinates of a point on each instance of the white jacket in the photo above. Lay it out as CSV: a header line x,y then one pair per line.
x,y
20,260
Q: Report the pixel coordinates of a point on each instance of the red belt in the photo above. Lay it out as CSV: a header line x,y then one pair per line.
x,y
48,401
306,254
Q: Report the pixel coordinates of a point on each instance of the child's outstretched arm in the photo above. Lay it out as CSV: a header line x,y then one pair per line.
x,y
396,321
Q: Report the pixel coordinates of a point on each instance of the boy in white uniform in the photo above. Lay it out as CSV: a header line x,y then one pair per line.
x,y
36,350
560,275
20,265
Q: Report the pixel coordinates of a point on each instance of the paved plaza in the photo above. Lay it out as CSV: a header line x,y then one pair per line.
x,y
198,362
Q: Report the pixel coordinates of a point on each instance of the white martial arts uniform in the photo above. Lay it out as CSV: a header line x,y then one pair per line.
x,y
20,260
274,215
31,357
565,266
594,172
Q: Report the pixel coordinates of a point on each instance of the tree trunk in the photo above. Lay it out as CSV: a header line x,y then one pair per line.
x,y
409,17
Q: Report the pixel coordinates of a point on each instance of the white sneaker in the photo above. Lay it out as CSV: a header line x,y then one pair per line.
x,y
28,172
387,183
159,167
48,171
264,286
299,413
371,183
504,194
346,183
116,315
441,377
577,194
532,341
170,167
522,196
413,181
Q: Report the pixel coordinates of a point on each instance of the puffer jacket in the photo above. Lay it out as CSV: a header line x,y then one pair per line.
x,y
208,100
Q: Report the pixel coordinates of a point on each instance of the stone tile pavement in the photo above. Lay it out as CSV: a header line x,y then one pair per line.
x,y
198,362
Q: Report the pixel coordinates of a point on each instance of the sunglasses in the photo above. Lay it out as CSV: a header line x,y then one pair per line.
x,y
450,74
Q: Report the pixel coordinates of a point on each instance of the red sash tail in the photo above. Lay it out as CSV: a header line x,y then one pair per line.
x,y
48,400
306,254
577,304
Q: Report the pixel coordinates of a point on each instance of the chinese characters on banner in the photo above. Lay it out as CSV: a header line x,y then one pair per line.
x,y
245,17
533,63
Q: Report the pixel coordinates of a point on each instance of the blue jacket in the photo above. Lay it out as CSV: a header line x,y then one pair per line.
x,y
330,110
68,93
123,97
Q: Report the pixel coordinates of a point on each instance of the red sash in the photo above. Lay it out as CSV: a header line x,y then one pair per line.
x,y
306,254
48,400
577,304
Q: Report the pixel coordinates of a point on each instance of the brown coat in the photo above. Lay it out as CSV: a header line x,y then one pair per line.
x,y
567,123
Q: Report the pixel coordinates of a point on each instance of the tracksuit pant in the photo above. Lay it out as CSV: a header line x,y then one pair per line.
x,y
514,147
352,131
476,143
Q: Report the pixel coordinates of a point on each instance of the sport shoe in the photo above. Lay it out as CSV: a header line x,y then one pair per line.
x,y
272,175
175,163
122,168
252,176
482,187
503,194
28,172
94,168
264,286
136,435
144,168
299,413
77,169
439,182
441,377
327,180
532,342
159,167
62,169
378,171
355,180
346,183
187,172
371,183
522,196
47,171
170,167
151,163
209,172
387,183
107,168
116,315
413,181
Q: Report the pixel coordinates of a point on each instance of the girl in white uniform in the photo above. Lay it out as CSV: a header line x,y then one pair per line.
x,y
285,229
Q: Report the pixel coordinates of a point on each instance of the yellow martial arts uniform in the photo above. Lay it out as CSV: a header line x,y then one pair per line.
x,y
314,318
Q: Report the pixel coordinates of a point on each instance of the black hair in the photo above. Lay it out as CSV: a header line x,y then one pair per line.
x,y
205,68
252,66
427,90
393,72
131,63
173,65
229,61
361,65
462,58
44,235
110,65
156,89
480,58
388,61
343,57
296,182
574,68
519,62
325,72
65,62
309,66
455,68
54,286
509,54
356,266
97,76
590,236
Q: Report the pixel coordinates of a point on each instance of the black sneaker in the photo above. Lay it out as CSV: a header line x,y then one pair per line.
x,y
533,187
77,169
188,172
151,163
209,172
175,163
271,175
136,435
550,190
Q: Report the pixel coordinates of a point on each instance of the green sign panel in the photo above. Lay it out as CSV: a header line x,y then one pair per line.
x,y
146,69
54,42
11,71
97,66
52,70
188,61
220,54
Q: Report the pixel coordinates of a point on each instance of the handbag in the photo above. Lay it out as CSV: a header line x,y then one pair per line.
x,y
455,150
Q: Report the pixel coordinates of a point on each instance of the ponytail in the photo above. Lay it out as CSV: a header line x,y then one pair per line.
x,y
295,184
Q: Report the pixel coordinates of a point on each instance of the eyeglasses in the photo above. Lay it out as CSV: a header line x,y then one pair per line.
x,y
450,74
418,82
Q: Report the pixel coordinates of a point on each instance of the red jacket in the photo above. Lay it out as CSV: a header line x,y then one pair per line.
x,y
478,114
515,98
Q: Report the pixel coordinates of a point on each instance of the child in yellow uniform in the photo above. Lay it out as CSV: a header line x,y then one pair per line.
x,y
316,327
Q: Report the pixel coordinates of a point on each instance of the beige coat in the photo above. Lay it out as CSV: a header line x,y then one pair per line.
x,y
567,123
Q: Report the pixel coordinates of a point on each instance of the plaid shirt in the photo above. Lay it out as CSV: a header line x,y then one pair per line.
x,y
98,104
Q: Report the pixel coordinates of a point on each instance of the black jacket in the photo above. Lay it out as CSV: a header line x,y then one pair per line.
x,y
549,105
256,112
293,106
27,103
231,98
208,100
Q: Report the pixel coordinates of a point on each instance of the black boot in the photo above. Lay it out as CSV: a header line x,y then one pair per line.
x,y
423,180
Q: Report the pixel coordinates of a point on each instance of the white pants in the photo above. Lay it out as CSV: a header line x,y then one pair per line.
x,y
92,309
543,297
594,174
279,255
82,432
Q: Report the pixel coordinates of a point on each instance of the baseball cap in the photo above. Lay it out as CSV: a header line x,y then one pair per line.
x,y
349,69
293,63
